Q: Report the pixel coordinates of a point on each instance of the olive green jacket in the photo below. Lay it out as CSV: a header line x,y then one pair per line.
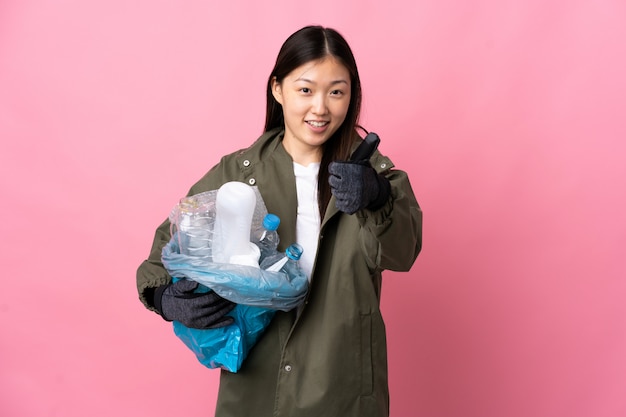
x,y
328,358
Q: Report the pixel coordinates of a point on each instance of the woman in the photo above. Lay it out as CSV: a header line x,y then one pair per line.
x,y
354,220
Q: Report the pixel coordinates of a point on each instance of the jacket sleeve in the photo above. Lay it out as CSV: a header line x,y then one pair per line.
x,y
151,274
392,235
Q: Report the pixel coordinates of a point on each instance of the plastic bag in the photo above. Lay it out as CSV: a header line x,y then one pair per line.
x,y
226,347
257,293
240,284
192,221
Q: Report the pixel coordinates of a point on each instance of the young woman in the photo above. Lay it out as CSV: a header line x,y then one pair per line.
x,y
354,220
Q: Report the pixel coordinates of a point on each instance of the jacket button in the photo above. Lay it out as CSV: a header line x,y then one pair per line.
x,y
251,181
288,368
246,163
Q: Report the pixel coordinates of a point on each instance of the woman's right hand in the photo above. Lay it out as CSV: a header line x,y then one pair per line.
x,y
198,310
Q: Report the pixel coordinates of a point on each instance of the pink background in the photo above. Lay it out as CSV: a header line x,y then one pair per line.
x,y
507,115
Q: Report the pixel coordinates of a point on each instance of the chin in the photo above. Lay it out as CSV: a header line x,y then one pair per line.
x,y
318,141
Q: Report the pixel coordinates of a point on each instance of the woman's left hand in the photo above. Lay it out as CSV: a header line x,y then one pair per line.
x,y
356,185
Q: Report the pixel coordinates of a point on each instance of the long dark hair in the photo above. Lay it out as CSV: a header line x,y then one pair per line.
x,y
309,44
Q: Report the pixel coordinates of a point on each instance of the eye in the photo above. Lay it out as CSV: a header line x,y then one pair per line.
x,y
336,93
305,90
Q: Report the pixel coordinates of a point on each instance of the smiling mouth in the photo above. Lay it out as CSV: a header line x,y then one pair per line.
x,y
317,124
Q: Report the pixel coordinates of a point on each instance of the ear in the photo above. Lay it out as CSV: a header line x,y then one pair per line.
x,y
277,91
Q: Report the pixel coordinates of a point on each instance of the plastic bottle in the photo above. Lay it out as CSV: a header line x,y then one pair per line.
x,y
268,241
234,208
285,262
192,222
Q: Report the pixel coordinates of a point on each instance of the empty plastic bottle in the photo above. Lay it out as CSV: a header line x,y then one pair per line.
x,y
191,226
285,262
234,209
268,241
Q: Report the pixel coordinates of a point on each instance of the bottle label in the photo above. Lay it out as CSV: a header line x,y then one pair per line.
x,y
278,265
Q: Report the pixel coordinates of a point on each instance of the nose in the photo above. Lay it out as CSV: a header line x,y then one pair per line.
x,y
319,106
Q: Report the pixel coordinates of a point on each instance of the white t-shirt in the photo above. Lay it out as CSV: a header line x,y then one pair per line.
x,y
308,220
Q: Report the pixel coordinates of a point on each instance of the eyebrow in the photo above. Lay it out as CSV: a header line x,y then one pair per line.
x,y
313,82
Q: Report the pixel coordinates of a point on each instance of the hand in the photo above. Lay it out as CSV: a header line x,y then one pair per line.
x,y
206,310
356,186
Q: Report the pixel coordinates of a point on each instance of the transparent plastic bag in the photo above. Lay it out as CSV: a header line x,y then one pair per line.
x,y
240,284
192,221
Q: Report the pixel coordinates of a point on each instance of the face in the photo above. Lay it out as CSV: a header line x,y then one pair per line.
x,y
315,98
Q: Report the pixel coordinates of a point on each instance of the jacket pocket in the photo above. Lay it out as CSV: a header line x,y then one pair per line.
x,y
367,372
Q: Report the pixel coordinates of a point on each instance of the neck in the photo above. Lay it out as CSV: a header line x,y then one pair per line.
x,y
303,155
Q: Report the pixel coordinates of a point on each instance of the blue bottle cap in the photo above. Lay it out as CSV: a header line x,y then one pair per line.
x,y
294,251
271,221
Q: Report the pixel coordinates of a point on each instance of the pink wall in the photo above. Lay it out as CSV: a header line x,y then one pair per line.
x,y
508,116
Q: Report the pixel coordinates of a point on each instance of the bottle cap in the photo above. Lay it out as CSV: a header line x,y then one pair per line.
x,y
294,251
271,221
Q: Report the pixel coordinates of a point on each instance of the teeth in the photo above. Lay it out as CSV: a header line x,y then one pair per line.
x,y
317,124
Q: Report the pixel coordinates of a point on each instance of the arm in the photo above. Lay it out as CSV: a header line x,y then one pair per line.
x,y
392,234
151,274
384,204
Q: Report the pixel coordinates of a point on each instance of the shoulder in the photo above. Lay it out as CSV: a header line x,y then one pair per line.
x,y
233,166
266,144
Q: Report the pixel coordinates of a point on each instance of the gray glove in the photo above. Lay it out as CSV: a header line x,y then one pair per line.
x,y
356,186
206,310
